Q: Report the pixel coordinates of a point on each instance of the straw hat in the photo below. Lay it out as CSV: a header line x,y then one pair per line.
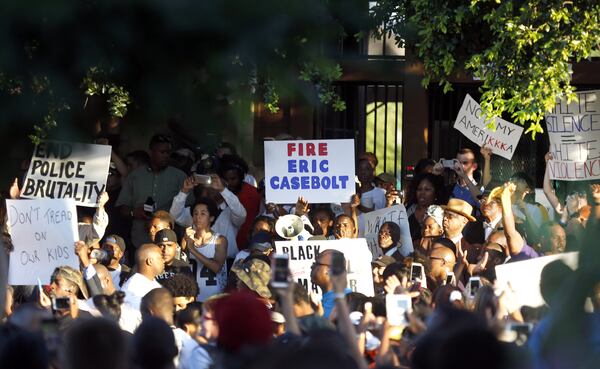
x,y
460,207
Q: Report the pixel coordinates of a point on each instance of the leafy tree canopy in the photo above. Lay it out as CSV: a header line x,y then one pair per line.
x,y
521,50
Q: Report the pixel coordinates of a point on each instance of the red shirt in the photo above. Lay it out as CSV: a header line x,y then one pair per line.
x,y
250,199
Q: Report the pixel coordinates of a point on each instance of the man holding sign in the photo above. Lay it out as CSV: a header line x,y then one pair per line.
x,y
321,171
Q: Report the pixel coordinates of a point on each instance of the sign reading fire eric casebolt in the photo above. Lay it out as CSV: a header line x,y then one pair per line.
x,y
321,171
67,170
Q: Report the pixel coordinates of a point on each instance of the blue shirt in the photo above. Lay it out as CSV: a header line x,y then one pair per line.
x,y
463,193
328,301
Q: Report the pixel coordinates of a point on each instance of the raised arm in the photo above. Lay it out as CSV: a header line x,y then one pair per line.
x,y
486,152
514,240
178,210
548,191
475,192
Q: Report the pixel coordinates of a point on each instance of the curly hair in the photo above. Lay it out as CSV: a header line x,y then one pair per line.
x,y
182,285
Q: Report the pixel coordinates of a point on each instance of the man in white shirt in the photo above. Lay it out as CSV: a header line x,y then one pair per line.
x,y
232,216
150,263
159,303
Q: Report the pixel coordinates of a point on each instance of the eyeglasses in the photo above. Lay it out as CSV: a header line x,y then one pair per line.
x,y
321,264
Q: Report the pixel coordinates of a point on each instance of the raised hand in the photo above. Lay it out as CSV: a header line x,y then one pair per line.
x,y
486,152
15,191
216,183
103,199
301,206
188,184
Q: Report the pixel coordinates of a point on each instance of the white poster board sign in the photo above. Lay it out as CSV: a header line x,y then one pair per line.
x,y
574,132
43,233
524,276
303,253
471,123
322,171
375,219
67,170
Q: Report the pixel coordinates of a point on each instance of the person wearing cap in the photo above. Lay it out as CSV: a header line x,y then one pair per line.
x,y
377,267
457,214
261,243
149,188
115,247
253,275
166,239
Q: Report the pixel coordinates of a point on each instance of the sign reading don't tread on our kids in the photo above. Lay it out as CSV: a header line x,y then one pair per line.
x,y
321,171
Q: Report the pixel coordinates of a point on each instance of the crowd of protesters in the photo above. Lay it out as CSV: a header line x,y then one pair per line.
x,y
175,272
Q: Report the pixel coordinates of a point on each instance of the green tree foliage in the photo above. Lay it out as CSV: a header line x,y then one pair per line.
x,y
521,50
153,59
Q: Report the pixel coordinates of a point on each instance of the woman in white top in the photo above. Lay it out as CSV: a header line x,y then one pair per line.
x,y
207,249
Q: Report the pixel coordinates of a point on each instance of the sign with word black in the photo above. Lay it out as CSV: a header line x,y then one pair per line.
x,y
303,254
67,170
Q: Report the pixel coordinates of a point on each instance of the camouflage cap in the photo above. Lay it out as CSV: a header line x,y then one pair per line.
x,y
255,274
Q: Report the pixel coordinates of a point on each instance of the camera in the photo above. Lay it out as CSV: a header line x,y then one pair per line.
x,y
103,256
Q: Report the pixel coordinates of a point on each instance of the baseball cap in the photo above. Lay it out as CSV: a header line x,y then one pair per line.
x,y
113,239
165,235
383,261
261,241
387,178
255,274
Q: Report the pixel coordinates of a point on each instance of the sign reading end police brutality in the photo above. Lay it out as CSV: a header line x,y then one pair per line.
x,y
302,254
574,131
67,170
321,171
43,233
471,123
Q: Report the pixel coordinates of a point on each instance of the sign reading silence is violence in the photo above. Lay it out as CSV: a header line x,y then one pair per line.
x,y
574,132
321,171
67,170
503,140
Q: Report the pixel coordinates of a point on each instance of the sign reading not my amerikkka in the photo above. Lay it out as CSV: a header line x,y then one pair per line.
x,y
471,122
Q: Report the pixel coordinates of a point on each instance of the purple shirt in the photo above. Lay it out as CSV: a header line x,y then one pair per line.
x,y
526,253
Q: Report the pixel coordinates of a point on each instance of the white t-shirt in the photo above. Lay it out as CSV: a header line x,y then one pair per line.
x,y
137,287
185,346
209,283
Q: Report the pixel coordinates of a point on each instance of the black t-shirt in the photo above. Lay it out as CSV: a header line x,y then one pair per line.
x,y
178,266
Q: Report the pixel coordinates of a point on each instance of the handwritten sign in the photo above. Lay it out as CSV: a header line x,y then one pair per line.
x,y
471,123
574,132
322,171
43,234
67,170
524,276
375,219
303,253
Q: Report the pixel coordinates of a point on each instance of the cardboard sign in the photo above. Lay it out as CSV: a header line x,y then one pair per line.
x,y
471,123
574,131
303,253
375,219
322,171
524,276
43,233
66,170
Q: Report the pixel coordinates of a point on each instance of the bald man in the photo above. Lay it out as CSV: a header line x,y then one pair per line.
x,y
159,303
149,263
441,260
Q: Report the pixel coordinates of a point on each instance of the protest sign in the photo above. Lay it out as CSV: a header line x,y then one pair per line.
x,y
43,233
524,276
471,123
574,132
322,171
67,170
303,253
375,219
